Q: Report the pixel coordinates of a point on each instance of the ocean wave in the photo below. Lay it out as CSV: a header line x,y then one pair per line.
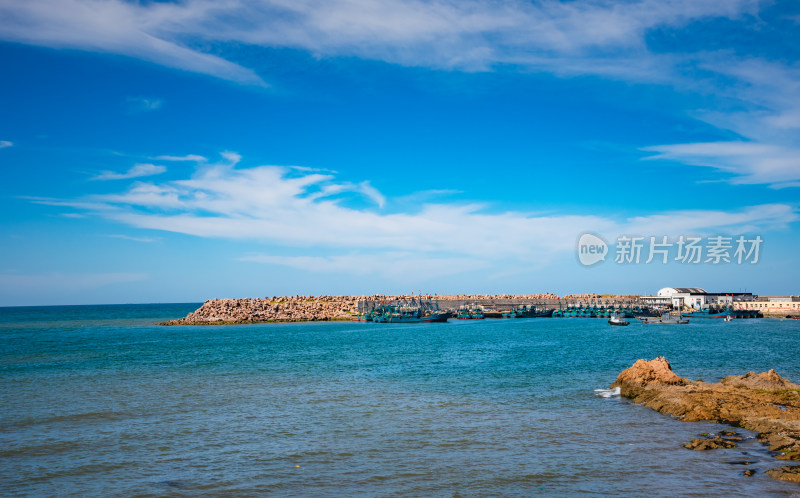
x,y
607,393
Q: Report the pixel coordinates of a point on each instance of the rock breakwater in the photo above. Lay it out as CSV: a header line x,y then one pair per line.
x,y
324,308
275,309
762,402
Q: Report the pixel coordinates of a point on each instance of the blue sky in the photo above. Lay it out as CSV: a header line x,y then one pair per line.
x,y
180,151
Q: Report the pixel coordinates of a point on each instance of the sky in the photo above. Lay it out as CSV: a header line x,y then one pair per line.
x,y
160,151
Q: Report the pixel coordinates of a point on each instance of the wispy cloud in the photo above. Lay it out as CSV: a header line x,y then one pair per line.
x,y
144,31
579,37
281,207
760,103
5,143
131,238
189,157
137,171
742,162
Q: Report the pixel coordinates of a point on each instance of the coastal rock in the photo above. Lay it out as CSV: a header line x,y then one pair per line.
x,y
769,381
644,373
790,473
791,455
633,381
762,402
713,443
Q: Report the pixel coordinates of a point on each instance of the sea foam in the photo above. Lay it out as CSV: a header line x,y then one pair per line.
x,y
607,393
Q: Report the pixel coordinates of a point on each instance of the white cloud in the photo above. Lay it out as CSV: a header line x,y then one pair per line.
x,y
745,162
137,171
305,211
764,102
134,239
188,157
114,26
582,36
5,143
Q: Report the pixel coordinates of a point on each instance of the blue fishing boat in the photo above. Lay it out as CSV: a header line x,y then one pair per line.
x,y
409,312
470,312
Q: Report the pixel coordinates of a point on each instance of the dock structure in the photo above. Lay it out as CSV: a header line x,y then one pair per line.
x,y
501,304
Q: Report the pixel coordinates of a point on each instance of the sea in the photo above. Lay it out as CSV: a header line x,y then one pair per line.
x,y
102,401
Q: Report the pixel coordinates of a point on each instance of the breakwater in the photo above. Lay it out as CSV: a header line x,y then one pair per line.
x,y
326,308
274,309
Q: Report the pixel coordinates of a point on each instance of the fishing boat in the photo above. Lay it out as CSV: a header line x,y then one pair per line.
x,y
664,319
708,313
533,312
618,321
413,311
722,313
417,318
470,312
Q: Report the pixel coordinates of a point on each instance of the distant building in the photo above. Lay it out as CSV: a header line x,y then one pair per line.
x,y
772,305
695,297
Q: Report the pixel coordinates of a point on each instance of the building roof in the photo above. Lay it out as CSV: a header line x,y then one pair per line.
x,y
681,290
690,290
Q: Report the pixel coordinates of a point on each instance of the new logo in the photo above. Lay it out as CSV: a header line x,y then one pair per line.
x,y
591,249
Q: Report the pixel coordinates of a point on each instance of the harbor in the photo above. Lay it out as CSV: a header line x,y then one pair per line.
x,y
691,304
669,306
428,310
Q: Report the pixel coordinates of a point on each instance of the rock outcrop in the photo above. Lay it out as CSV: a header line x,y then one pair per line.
x,y
762,402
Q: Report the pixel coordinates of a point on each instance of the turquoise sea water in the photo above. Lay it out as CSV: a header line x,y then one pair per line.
x,y
98,400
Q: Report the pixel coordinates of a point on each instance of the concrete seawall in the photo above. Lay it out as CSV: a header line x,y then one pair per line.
x,y
508,303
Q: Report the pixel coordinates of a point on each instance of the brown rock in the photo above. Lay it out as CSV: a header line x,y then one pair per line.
x,y
713,443
765,403
790,473
633,381
769,381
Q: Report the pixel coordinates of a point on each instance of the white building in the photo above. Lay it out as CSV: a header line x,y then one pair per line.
x,y
697,298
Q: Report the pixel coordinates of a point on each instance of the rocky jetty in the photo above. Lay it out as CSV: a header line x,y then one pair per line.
x,y
762,402
275,309
323,308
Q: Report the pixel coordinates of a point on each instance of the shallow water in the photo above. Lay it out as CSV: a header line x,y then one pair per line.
x,y
98,400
